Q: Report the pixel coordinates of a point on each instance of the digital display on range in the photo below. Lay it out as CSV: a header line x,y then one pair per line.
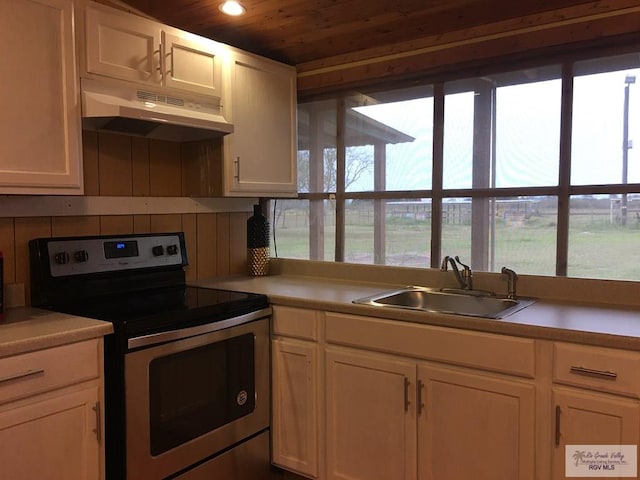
x,y
121,249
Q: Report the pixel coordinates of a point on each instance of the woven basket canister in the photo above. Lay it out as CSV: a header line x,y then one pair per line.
x,y
257,243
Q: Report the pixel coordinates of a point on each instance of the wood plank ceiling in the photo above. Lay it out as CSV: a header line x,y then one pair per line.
x,y
303,31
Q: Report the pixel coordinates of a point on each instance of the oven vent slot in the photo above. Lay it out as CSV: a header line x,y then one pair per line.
x,y
147,96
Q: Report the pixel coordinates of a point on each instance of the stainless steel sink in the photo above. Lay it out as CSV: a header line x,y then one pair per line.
x,y
459,302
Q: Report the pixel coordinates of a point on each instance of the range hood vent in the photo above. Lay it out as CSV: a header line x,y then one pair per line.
x,y
120,107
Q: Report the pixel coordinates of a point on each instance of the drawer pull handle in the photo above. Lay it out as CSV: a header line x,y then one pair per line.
x,y
590,372
18,376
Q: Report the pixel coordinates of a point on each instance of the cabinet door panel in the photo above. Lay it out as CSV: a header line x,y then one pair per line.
x,y
52,439
295,392
123,46
260,156
371,429
40,142
193,64
475,426
591,419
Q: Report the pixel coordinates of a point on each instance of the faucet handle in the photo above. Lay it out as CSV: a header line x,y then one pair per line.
x,y
512,279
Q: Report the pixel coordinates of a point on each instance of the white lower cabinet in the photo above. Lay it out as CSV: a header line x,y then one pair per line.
x,y
51,419
295,395
472,425
52,439
296,391
371,426
405,401
391,417
585,418
583,413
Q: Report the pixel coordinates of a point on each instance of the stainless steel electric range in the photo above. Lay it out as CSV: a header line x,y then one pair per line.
x,y
186,369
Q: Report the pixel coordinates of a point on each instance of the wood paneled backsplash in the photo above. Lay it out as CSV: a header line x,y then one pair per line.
x,y
118,165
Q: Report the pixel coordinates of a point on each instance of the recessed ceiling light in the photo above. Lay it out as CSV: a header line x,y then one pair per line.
x,y
231,7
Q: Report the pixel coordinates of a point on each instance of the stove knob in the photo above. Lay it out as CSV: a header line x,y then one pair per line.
x,y
172,250
157,251
81,256
61,258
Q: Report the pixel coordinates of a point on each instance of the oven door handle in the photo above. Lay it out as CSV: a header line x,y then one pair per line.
x,y
173,335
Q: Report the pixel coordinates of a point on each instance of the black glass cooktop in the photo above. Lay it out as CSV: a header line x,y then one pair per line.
x,y
162,309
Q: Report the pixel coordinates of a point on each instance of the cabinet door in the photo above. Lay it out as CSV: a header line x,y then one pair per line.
x,y
590,419
40,137
371,423
122,46
260,155
54,439
295,408
192,63
474,426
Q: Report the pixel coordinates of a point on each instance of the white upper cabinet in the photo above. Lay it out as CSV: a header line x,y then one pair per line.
x,y
137,49
260,156
122,46
257,95
192,63
40,150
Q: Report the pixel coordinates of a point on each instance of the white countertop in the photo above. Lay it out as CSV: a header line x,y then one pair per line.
x,y
26,329
572,322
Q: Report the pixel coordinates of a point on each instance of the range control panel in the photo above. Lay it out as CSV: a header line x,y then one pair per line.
x,y
77,256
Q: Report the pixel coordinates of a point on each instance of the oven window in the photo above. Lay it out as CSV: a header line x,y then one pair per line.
x,y
195,391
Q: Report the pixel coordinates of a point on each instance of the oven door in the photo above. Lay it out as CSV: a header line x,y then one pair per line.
x,y
188,399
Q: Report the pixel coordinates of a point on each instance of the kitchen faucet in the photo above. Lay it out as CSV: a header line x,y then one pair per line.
x,y
465,279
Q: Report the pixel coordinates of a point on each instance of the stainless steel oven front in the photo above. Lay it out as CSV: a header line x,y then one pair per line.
x,y
192,394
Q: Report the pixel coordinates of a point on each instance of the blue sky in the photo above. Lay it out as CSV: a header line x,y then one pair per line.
x,y
528,127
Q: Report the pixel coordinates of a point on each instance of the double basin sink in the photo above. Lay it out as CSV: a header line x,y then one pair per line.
x,y
472,303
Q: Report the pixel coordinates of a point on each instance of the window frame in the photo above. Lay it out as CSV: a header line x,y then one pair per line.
x,y
563,191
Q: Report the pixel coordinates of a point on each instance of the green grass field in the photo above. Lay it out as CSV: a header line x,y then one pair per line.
x,y
598,246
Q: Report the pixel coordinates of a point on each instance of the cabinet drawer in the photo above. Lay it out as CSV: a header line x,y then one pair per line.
x,y
602,369
487,351
43,370
295,322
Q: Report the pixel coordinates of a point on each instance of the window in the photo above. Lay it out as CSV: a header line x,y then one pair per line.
x,y
487,168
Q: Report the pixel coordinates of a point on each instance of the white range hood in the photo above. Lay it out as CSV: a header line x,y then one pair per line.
x,y
121,107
